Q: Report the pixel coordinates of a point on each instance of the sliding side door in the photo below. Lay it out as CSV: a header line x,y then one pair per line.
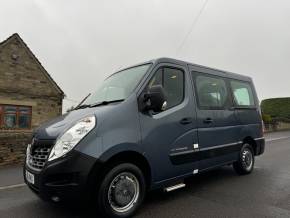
x,y
216,120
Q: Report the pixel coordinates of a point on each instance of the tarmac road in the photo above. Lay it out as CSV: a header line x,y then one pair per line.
x,y
219,193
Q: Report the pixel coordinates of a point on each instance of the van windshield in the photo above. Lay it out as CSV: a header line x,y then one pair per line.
x,y
118,86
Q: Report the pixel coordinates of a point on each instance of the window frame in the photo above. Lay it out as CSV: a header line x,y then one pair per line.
x,y
17,114
170,67
245,107
228,103
1,115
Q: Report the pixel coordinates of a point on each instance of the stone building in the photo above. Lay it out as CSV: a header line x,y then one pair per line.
x,y
28,97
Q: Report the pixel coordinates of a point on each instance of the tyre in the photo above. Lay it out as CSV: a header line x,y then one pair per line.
x,y
246,161
122,191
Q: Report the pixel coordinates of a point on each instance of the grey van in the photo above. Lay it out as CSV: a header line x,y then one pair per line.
x,y
146,127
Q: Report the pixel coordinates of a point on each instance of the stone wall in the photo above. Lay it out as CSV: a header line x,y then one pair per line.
x,y
279,126
13,147
43,109
20,71
24,82
13,143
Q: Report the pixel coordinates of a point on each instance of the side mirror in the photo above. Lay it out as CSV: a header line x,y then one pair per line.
x,y
155,99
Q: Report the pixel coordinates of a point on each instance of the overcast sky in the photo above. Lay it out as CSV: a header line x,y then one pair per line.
x,y
81,42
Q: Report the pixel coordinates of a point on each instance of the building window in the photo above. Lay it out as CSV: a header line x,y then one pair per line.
x,y
15,117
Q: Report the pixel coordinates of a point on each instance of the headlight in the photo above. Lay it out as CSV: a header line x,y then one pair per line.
x,y
72,137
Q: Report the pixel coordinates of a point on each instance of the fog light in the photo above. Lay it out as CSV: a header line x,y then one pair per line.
x,y
55,199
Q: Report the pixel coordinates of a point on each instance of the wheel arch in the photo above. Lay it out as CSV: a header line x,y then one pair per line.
x,y
250,140
129,156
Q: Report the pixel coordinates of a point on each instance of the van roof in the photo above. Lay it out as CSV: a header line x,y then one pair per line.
x,y
204,69
193,67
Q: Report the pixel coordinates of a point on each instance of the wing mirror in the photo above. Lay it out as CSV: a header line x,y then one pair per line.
x,y
155,99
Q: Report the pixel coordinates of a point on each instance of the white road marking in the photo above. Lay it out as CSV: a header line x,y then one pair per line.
x,y
275,139
12,186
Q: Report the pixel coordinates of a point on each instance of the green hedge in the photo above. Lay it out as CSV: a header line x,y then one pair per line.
x,y
277,108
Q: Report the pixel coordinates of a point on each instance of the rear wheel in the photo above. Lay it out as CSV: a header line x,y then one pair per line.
x,y
246,161
122,191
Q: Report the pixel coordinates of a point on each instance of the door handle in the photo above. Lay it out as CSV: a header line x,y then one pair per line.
x,y
208,120
186,120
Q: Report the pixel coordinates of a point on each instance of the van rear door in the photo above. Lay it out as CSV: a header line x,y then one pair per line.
x,y
247,109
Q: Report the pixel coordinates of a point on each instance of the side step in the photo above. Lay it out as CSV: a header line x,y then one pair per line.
x,y
172,188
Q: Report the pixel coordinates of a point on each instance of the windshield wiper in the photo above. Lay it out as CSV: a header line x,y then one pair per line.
x,y
79,106
105,102
82,106
97,104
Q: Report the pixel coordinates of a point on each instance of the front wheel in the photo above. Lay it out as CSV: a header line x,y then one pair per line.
x,y
122,191
246,161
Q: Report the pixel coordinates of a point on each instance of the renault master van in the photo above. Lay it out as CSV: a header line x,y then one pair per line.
x,y
146,127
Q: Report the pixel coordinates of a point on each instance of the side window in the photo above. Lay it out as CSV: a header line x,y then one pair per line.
x,y
243,94
172,80
211,92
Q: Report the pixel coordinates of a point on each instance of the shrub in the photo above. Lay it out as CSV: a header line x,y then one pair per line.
x,y
276,108
267,118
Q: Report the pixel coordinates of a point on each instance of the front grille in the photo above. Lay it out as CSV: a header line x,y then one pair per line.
x,y
38,154
39,157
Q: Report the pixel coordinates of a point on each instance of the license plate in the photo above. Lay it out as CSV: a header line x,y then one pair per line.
x,y
30,177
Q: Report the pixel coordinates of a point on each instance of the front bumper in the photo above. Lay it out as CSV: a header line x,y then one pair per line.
x,y
67,178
